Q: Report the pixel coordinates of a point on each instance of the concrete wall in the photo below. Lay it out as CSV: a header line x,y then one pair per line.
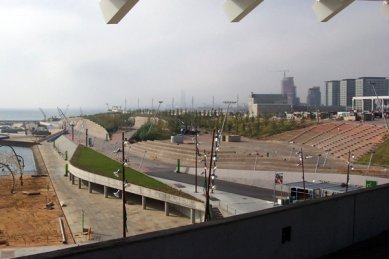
x,y
233,138
317,227
94,129
63,144
135,189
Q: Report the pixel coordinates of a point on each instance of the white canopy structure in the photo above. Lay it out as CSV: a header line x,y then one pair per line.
x,y
380,99
115,10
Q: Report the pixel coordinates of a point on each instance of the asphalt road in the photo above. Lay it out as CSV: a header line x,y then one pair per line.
x,y
166,171
236,188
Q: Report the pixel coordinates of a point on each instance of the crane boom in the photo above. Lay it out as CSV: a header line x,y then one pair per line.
x,y
43,113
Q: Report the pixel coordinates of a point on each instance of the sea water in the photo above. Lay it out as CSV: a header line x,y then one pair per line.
x,y
36,114
7,156
30,115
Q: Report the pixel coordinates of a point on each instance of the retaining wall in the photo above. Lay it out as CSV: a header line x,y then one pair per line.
x,y
305,230
63,145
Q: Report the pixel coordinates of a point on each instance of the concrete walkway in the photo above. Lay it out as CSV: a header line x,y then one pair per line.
x,y
102,215
229,203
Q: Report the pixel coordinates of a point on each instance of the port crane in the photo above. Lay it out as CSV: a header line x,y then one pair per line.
x,y
63,117
43,113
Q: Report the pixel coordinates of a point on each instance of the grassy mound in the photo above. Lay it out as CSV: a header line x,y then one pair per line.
x,y
380,156
89,160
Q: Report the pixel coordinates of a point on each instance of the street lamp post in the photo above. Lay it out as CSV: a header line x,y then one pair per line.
x,y
159,105
123,191
302,168
348,169
349,165
124,185
86,137
197,153
208,181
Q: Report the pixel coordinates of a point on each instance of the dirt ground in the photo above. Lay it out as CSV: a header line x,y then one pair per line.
x,y
24,219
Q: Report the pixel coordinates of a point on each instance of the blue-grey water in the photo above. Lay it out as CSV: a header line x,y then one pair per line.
x,y
31,115
36,115
27,155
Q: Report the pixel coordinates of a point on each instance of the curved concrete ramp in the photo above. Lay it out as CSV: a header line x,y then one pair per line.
x,y
94,129
139,121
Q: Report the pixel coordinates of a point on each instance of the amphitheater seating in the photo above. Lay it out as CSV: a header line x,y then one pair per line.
x,y
340,138
337,138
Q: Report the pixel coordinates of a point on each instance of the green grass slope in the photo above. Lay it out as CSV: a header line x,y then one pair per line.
x,y
380,156
89,160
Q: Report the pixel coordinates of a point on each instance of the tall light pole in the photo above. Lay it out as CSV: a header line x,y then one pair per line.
x,y
124,185
197,153
348,170
159,105
207,216
302,168
123,191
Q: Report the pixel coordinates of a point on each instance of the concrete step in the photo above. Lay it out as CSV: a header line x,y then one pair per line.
x,y
216,214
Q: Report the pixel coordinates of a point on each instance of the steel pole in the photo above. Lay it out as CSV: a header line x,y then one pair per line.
x,y
207,212
123,193
348,169
196,150
302,166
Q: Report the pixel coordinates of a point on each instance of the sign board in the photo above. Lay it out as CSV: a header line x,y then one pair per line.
x,y
279,178
370,183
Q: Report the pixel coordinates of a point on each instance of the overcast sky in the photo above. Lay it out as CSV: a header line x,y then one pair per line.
x,y
59,53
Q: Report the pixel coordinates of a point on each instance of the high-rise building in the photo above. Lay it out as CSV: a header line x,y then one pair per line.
x,y
288,89
314,96
332,93
370,86
347,92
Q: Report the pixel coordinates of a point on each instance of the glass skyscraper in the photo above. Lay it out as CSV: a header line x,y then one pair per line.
x,y
347,92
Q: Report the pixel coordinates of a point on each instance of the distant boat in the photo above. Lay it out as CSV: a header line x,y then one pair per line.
x,y
115,109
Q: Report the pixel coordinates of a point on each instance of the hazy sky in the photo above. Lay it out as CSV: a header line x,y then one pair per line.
x,y
59,53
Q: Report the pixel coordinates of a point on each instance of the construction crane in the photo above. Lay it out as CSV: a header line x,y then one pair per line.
x,y
284,71
63,117
43,113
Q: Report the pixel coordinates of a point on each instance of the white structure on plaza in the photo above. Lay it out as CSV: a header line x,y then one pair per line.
x,y
376,103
